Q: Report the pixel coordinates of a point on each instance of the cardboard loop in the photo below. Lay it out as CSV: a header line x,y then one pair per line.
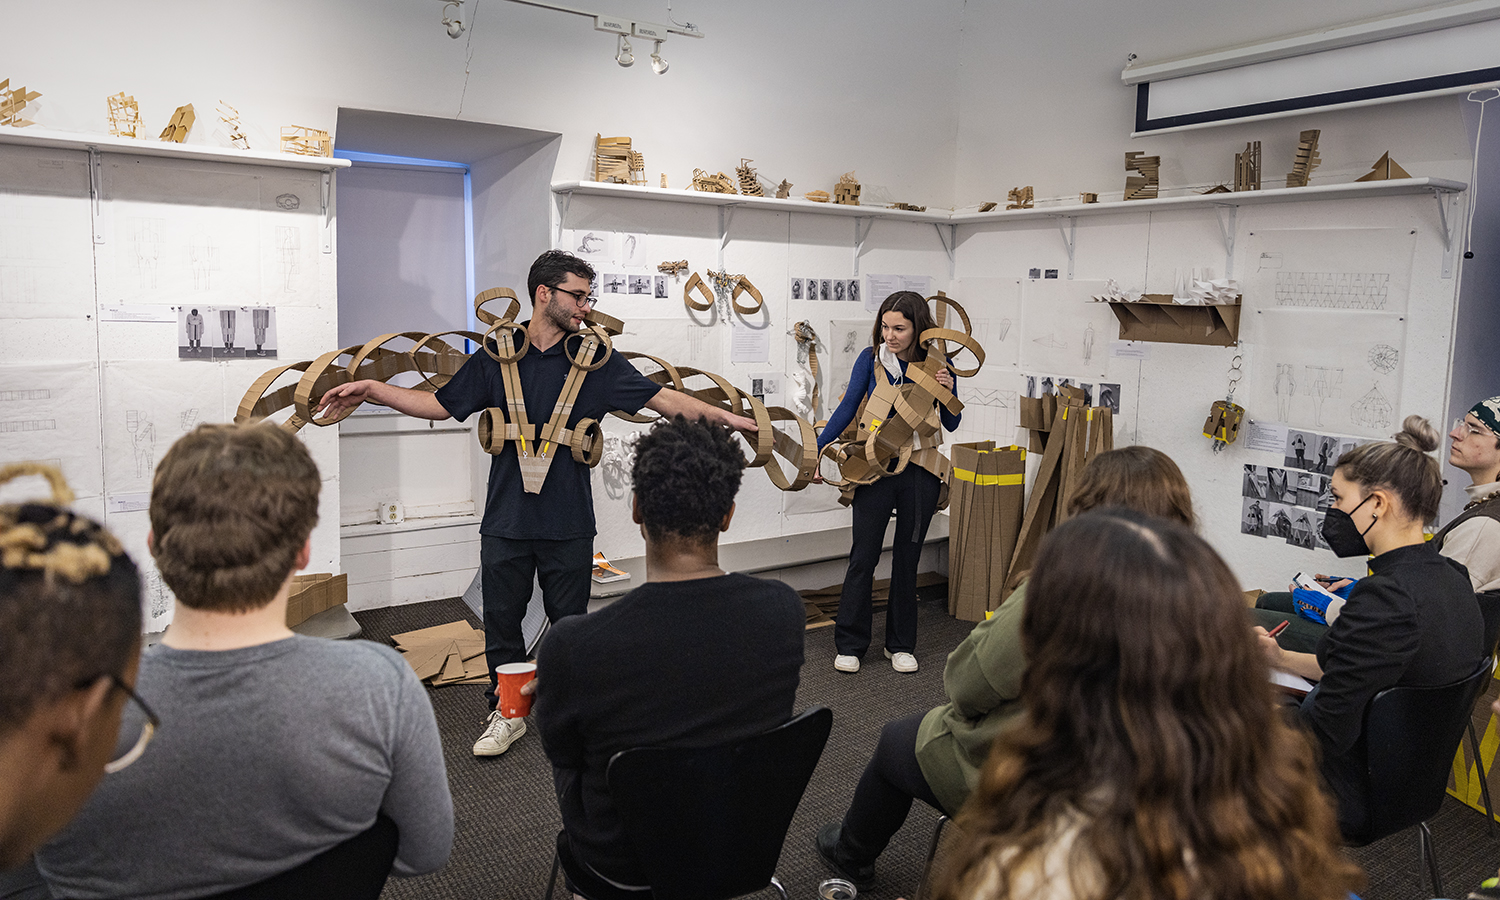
x,y
438,364
580,357
801,451
942,335
745,287
321,376
667,377
588,442
259,404
494,431
834,451
941,303
484,298
880,463
383,363
496,330
612,326
696,282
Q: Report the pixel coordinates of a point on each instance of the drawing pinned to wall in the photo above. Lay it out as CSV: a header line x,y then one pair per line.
x,y
990,413
131,528
46,238
633,250
618,462
291,249
882,286
847,338
594,245
1332,268
1330,369
51,412
288,254
1061,327
148,406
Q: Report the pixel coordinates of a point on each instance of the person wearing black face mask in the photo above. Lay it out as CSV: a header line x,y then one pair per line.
x,y
1413,621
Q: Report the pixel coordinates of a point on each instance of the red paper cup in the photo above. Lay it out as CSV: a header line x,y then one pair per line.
x,y
510,678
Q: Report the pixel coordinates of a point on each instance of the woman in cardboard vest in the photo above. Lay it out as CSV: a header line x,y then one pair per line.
x,y
905,475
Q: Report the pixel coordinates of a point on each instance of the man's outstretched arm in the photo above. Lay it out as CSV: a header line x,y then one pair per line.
x,y
671,403
421,404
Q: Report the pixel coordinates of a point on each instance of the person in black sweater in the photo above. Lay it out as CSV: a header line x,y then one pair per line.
x,y
693,658
1413,621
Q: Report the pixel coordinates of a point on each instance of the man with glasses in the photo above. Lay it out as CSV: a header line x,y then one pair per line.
x,y
70,625
549,534
275,748
1473,537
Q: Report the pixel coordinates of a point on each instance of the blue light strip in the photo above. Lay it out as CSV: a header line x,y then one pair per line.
x,y
357,156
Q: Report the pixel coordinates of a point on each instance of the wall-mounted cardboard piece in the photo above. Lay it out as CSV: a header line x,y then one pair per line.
x,y
1156,318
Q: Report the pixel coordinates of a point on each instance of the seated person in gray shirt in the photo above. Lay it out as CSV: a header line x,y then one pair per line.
x,y
273,747
693,658
70,635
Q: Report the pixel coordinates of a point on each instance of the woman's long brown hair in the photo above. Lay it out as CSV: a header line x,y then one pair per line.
x,y
911,305
1150,718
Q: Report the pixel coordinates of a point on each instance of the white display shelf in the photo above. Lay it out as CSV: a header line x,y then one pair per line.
x,y
702,198
1348,191
103,143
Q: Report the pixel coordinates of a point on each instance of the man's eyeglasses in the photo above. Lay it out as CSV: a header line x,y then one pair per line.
x,y
1469,427
583,300
137,724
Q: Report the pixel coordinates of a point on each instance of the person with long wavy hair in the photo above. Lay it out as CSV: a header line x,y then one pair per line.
x,y
1151,761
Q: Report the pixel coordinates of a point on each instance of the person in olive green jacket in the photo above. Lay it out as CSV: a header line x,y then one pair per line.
x,y
936,756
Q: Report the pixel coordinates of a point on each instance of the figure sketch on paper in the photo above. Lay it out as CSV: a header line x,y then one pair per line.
x,y
1088,344
619,460
202,259
188,419
145,234
1002,330
142,441
590,244
1372,410
1323,382
288,247
1286,388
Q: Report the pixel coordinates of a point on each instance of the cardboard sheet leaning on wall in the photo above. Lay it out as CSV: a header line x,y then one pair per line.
x,y
290,393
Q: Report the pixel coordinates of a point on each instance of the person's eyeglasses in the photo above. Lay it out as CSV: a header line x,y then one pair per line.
x,y
1469,427
137,724
579,299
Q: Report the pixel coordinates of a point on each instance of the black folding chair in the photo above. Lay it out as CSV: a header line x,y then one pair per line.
x,y
707,824
354,870
1411,734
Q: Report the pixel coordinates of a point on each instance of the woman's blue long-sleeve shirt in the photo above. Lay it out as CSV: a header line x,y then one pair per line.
x,y
864,374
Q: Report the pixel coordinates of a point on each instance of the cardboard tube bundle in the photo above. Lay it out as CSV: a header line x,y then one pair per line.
x,y
436,357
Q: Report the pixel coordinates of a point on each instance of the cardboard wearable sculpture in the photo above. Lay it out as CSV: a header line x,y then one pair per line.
x,y
899,425
299,387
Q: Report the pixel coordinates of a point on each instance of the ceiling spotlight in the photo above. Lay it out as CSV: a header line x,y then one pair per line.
x,y
658,65
623,56
454,25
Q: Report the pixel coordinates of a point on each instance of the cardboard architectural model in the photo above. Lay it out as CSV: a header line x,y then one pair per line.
x,y
13,102
909,207
817,196
712,184
672,267
749,179
987,205
1020,198
182,122
1247,168
229,117
1384,169
615,162
783,190
1306,159
846,192
304,141
1142,186
124,115
1088,198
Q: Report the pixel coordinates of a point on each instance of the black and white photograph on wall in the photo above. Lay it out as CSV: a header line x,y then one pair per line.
x,y
1253,517
228,327
594,290
1031,387
1281,485
640,284
854,290
661,287
825,289
1048,386
796,289
1109,395
1328,454
1318,531
1088,394
192,328
1279,520
262,333
1302,528
614,283
1309,486
1325,495
1299,446
838,290
1253,486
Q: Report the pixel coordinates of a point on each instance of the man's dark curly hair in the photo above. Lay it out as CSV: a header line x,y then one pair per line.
x,y
686,476
552,267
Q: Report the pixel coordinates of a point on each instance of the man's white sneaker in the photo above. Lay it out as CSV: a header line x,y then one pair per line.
x,y
499,734
902,662
846,663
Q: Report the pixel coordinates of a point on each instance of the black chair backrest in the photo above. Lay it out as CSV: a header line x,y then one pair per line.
x,y
709,823
1411,734
1489,608
354,870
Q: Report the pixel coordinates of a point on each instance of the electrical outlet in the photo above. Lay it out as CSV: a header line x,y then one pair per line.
x,y
392,512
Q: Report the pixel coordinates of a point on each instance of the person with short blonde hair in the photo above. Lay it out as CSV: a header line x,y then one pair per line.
x,y
275,747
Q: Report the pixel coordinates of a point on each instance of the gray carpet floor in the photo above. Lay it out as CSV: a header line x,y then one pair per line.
x,y
507,816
